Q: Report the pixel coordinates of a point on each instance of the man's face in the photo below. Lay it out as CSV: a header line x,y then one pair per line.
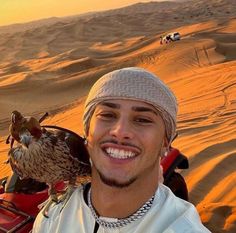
x,y
124,141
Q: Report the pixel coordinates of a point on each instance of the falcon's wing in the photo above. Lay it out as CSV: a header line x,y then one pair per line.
x,y
73,141
14,164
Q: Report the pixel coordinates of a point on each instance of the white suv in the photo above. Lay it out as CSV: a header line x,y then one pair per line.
x,y
173,36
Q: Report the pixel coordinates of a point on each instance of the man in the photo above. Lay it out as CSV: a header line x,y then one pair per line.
x,y
129,123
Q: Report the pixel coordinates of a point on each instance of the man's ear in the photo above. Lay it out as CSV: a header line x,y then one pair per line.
x,y
165,147
166,143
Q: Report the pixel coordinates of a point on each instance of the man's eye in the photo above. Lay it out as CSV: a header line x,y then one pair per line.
x,y
143,120
106,115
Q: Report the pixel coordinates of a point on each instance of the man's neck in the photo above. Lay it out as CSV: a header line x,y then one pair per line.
x,y
116,202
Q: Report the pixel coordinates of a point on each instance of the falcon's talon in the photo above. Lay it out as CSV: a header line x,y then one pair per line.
x,y
54,197
46,209
46,215
47,204
64,198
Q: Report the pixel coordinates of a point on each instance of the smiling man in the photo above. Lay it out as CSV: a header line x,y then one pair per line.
x,y
129,123
125,138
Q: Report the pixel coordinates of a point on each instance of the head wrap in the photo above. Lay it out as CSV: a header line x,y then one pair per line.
x,y
134,84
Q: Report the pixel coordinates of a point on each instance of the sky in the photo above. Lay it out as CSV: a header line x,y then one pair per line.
x,y
20,11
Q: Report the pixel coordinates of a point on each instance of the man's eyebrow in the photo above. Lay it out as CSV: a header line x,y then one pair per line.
x,y
144,109
134,108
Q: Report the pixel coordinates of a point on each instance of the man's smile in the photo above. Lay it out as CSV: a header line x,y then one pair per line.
x,y
119,154
120,151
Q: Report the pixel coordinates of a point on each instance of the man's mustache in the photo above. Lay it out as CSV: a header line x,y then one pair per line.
x,y
113,141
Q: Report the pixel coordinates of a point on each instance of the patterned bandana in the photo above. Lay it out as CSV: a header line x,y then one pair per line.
x,y
134,84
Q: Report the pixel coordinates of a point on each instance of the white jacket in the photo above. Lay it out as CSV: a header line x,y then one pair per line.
x,y
168,214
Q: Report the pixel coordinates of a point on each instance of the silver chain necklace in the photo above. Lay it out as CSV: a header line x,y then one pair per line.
x,y
122,221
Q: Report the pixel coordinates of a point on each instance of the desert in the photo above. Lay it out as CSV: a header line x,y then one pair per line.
x,y
49,66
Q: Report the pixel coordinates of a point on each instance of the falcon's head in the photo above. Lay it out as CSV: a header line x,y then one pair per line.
x,y
23,129
16,117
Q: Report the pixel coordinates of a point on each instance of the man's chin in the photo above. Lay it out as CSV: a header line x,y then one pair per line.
x,y
115,183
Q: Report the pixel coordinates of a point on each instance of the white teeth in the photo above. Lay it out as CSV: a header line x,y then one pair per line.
x,y
119,154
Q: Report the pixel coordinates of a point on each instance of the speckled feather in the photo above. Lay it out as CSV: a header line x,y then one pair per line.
x,y
50,159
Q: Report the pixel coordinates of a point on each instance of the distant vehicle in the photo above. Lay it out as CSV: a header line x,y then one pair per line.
x,y
173,36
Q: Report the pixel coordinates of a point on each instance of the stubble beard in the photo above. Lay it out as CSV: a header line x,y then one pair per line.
x,y
114,183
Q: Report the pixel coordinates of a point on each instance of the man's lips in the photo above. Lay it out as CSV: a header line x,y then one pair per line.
x,y
118,151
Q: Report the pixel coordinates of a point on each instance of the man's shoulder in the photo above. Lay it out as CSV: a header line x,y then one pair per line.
x,y
73,200
43,224
165,195
179,214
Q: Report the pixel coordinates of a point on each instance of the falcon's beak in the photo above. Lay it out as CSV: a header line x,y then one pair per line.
x,y
25,138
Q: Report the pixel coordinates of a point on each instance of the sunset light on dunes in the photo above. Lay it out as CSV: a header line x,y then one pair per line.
x,y
18,11
50,66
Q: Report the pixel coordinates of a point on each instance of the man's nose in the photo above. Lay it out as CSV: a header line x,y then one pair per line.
x,y
122,129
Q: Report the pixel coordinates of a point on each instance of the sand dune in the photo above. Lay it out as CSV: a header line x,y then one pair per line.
x,y
50,67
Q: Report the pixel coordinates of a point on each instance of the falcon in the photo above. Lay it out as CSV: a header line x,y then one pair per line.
x,y
47,155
